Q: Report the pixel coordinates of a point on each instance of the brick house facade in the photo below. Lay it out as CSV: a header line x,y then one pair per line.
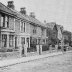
x,y
6,27
17,28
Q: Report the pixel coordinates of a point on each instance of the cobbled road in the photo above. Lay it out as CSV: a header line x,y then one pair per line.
x,y
60,63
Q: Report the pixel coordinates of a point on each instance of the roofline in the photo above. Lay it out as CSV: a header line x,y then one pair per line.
x,y
1,11
19,17
32,23
7,12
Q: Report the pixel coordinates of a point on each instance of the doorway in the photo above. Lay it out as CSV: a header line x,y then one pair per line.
x,y
22,43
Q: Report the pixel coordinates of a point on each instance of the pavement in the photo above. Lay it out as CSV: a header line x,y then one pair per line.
x,y
10,62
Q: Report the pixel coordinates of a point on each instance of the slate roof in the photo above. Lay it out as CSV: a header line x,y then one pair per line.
x,y
28,18
19,15
36,21
6,10
10,11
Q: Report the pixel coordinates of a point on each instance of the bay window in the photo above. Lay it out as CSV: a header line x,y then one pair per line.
x,y
4,40
4,21
22,26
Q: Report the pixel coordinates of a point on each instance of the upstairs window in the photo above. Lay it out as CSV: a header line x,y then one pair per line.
x,y
7,21
34,30
4,21
22,26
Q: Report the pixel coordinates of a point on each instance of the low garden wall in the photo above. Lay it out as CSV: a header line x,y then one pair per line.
x,y
9,55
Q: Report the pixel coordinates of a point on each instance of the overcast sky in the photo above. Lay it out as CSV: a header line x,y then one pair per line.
x,y
59,11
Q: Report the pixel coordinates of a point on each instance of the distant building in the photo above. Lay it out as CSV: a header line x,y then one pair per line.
x,y
54,30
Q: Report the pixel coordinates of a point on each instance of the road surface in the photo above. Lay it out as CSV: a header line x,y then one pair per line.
x,y
60,63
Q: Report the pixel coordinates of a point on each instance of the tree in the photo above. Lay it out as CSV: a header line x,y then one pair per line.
x,y
52,36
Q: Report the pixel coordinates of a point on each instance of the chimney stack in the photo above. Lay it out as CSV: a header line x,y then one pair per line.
x,y
11,5
23,10
32,14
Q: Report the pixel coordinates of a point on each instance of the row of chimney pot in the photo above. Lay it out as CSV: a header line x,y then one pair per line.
x,y
22,10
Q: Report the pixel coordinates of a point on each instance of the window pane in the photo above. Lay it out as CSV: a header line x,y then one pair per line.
x,y
24,27
8,21
4,21
21,26
4,40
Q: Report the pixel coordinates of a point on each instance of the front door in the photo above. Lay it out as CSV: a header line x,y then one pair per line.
x,y
22,43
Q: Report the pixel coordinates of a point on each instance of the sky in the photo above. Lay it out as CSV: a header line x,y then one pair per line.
x,y
59,11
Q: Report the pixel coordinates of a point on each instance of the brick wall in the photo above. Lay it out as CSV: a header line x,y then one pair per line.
x,y
27,28
38,31
17,26
31,29
11,23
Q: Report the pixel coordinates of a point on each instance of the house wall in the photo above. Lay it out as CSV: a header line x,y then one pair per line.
x,y
7,30
31,29
20,33
27,27
38,31
17,26
11,23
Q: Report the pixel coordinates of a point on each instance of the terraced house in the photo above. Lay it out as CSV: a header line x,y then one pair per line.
x,y
18,30
7,30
